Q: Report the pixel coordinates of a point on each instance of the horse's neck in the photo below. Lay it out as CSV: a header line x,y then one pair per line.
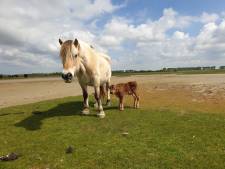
x,y
85,56
88,52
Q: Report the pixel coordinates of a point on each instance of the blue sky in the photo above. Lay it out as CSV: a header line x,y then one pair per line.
x,y
136,34
185,7
153,9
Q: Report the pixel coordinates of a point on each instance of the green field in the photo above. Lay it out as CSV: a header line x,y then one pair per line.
x,y
184,72
158,138
120,73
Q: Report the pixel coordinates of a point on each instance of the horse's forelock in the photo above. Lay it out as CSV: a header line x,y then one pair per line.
x,y
65,52
66,47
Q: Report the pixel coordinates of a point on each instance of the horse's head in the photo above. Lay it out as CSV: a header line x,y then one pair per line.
x,y
69,53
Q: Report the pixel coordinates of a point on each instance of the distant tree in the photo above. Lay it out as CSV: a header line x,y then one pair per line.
x,y
209,68
164,69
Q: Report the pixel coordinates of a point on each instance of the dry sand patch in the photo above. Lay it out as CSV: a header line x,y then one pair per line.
x,y
183,92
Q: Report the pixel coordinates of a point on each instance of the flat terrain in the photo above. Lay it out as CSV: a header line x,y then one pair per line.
x,y
180,124
158,90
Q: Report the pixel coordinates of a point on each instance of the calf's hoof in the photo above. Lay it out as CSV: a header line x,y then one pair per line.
x,y
85,111
101,114
108,103
138,106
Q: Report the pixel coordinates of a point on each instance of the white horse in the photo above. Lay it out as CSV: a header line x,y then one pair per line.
x,y
91,68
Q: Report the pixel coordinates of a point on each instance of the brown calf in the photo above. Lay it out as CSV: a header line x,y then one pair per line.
x,y
122,89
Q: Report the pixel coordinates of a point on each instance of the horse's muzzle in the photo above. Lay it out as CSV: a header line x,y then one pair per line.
x,y
67,77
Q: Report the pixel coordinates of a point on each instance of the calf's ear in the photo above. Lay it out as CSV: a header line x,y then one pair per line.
x,y
60,42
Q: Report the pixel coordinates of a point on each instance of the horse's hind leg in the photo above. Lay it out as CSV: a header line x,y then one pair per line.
x,y
85,110
101,113
108,102
102,96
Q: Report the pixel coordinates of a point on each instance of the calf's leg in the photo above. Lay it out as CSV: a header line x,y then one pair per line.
x,y
121,104
137,100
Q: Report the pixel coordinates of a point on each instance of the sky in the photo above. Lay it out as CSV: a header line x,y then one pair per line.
x,y
136,34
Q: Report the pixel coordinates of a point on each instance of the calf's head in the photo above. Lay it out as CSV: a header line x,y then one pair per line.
x,y
112,89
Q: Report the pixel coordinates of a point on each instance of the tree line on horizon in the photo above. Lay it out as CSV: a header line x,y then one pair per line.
x,y
170,69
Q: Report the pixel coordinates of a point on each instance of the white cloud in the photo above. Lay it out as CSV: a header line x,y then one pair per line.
x,y
123,28
211,40
206,17
110,41
180,35
30,31
96,8
154,48
85,9
33,28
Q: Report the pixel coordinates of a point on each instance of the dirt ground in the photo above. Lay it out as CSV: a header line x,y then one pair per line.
x,y
183,92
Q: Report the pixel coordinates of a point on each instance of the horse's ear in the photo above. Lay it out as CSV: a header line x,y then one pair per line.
x,y
60,42
76,43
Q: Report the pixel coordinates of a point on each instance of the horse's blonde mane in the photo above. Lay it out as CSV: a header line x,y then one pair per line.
x,y
66,50
90,47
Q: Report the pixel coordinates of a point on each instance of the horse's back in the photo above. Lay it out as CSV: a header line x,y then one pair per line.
x,y
106,57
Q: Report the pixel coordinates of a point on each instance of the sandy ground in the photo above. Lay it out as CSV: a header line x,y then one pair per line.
x,y
157,90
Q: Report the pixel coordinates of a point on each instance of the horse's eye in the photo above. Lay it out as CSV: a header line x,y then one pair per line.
x,y
75,55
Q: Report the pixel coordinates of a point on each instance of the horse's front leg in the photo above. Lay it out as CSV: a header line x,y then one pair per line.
x,y
85,110
101,113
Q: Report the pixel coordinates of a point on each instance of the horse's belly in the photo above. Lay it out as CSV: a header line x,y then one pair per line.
x,y
85,80
102,73
105,72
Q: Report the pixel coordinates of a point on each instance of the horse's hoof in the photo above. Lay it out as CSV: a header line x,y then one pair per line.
x,y
86,111
101,114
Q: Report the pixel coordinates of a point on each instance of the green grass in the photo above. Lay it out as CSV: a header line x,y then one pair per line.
x,y
41,132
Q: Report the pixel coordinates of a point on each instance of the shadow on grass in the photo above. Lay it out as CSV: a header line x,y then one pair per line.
x,y
5,114
34,121
117,108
